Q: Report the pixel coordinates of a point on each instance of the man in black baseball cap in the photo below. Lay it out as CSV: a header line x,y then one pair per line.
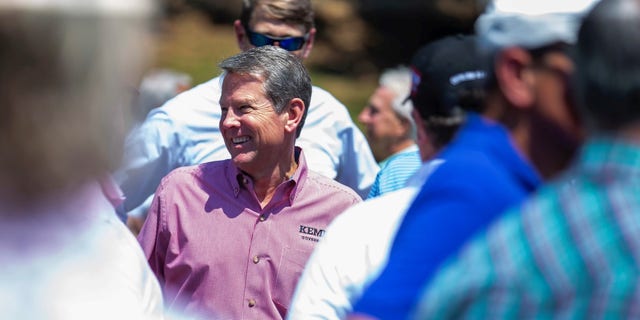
x,y
448,78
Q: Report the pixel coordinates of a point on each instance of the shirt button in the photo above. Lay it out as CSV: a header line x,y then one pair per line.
x,y
263,218
252,303
256,259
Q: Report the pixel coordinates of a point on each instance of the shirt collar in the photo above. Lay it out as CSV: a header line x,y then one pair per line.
x,y
238,180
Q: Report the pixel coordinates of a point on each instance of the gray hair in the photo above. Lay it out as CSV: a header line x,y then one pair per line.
x,y
285,77
398,80
63,91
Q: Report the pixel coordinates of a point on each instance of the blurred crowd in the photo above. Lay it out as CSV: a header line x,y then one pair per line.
x,y
496,176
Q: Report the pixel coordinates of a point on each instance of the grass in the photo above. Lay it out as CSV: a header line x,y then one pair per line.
x,y
190,43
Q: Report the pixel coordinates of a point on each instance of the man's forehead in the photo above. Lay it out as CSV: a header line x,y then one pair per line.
x,y
232,82
263,17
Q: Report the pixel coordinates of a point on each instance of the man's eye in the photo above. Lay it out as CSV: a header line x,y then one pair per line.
x,y
245,108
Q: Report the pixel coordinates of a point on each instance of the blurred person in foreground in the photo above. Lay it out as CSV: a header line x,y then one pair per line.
x,y
63,252
228,239
184,131
391,132
572,250
343,264
528,130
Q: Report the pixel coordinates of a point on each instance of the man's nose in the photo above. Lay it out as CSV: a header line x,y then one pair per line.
x,y
363,117
229,119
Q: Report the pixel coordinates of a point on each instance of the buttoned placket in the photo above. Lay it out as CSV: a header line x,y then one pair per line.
x,y
258,256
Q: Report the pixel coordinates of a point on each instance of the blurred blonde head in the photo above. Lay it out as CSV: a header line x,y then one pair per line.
x,y
66,73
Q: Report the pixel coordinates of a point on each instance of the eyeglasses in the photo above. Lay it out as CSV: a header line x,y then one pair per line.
x,y
287,43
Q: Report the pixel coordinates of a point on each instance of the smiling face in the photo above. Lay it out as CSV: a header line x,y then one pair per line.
x,y
255,135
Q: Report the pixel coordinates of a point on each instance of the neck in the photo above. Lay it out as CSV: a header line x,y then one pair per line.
x,y
405,143
266,185
392,148
630,133
543,143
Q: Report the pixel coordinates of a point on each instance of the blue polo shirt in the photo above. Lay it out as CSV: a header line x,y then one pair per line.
x,y
482,176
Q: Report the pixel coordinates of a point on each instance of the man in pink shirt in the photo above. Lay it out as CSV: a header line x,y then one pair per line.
x,y
229,239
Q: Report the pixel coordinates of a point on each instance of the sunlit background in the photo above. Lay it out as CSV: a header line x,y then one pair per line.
x,y
356,38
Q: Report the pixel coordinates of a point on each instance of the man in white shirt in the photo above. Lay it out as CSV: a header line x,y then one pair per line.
x,y
184,131
349,256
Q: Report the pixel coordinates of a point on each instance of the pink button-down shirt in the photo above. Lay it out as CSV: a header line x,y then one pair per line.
x,y
219,255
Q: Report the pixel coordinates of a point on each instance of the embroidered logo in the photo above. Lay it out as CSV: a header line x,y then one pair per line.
x,y
311,233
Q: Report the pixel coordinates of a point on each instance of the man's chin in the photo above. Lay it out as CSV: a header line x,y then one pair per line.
x,y
242,160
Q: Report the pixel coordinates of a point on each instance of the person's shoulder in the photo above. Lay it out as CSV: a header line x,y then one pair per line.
x,y
472,168
403,161
330,186
462,169
321,98
204,95
549,202
466,185
188,174
320,93
384,208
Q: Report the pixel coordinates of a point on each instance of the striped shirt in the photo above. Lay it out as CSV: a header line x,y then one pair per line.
x,y
573,252
395,171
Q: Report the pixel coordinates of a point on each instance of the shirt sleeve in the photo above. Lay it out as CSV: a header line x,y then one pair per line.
x,y
358,167
154,239
151,152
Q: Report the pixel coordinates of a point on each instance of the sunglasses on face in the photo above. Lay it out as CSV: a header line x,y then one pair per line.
x,y
287,43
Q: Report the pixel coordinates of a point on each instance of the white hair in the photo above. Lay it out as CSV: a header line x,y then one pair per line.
x,y
398,80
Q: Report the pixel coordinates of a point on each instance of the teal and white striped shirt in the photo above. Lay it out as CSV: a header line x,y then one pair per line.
x,y
395,171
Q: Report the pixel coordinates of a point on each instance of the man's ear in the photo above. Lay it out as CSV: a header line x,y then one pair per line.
x,y
241,36
515,77
423,138
294,113
309,44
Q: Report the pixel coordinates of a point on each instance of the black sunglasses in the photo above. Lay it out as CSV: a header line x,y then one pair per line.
x,y
287,43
